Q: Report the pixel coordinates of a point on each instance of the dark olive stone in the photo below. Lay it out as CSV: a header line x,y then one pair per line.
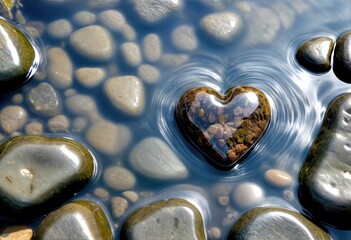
x,y
325,176
81,220
168,219
342,58
223,128
315,54
275,223
17,56
39,173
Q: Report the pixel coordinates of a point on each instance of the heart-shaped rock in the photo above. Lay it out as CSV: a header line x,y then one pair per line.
x,y
223,128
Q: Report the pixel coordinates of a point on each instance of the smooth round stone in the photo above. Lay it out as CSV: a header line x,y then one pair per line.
x,y
342,58
221,27
183,37
248,194
119,206
60,68
16,233
84,18
34,128
153,11
90,77
131,196
59,123
40,173
108,137
155,159
102,193
75,220
80,104
168,219
264,25
119,178
79,124
324,177
152,47
129,33
174,60
17,57
275,223
44,100
223,127
13,118
113,20
214,233
315,54
126,93
102,3
278,178
94,42
149,73
60,28
131,53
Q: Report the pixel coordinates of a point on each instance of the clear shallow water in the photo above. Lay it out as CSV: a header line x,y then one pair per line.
x,y
298,98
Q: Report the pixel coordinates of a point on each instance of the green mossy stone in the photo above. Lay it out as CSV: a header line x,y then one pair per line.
x,y
275,224
81,220
168,219
325,176
17,56
38,173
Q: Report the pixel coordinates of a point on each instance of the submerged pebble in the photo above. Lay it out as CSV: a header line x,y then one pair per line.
x,y
94,42
149,73
84,18
167,219
75,220
60,68
222,27
155,159
58,124
13,118
152,47
119,178
17,57
26,162
184,38
15,232
126,93
278,178
248,194
60,28
131,53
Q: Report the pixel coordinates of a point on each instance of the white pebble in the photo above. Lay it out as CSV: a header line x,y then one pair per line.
x,y
60,68
13,118
60,28
184,38
126,93
94,42
80,104
59,123
119,206
149,73
108,137
223,26
90,77
34,128
278,178
84,18
152,47
131,196
131,53
248,194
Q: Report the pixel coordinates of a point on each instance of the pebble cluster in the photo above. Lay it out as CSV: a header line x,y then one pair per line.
x,y
73,154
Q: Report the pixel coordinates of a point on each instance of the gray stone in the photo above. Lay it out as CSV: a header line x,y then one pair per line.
x,y
94,42
126,93
44,100
222,27
324,178
155,159
13,118
155,10
40,173
17,57
60,68
108,137
342,58
76,220
169,219
119,178
275,223
315,54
